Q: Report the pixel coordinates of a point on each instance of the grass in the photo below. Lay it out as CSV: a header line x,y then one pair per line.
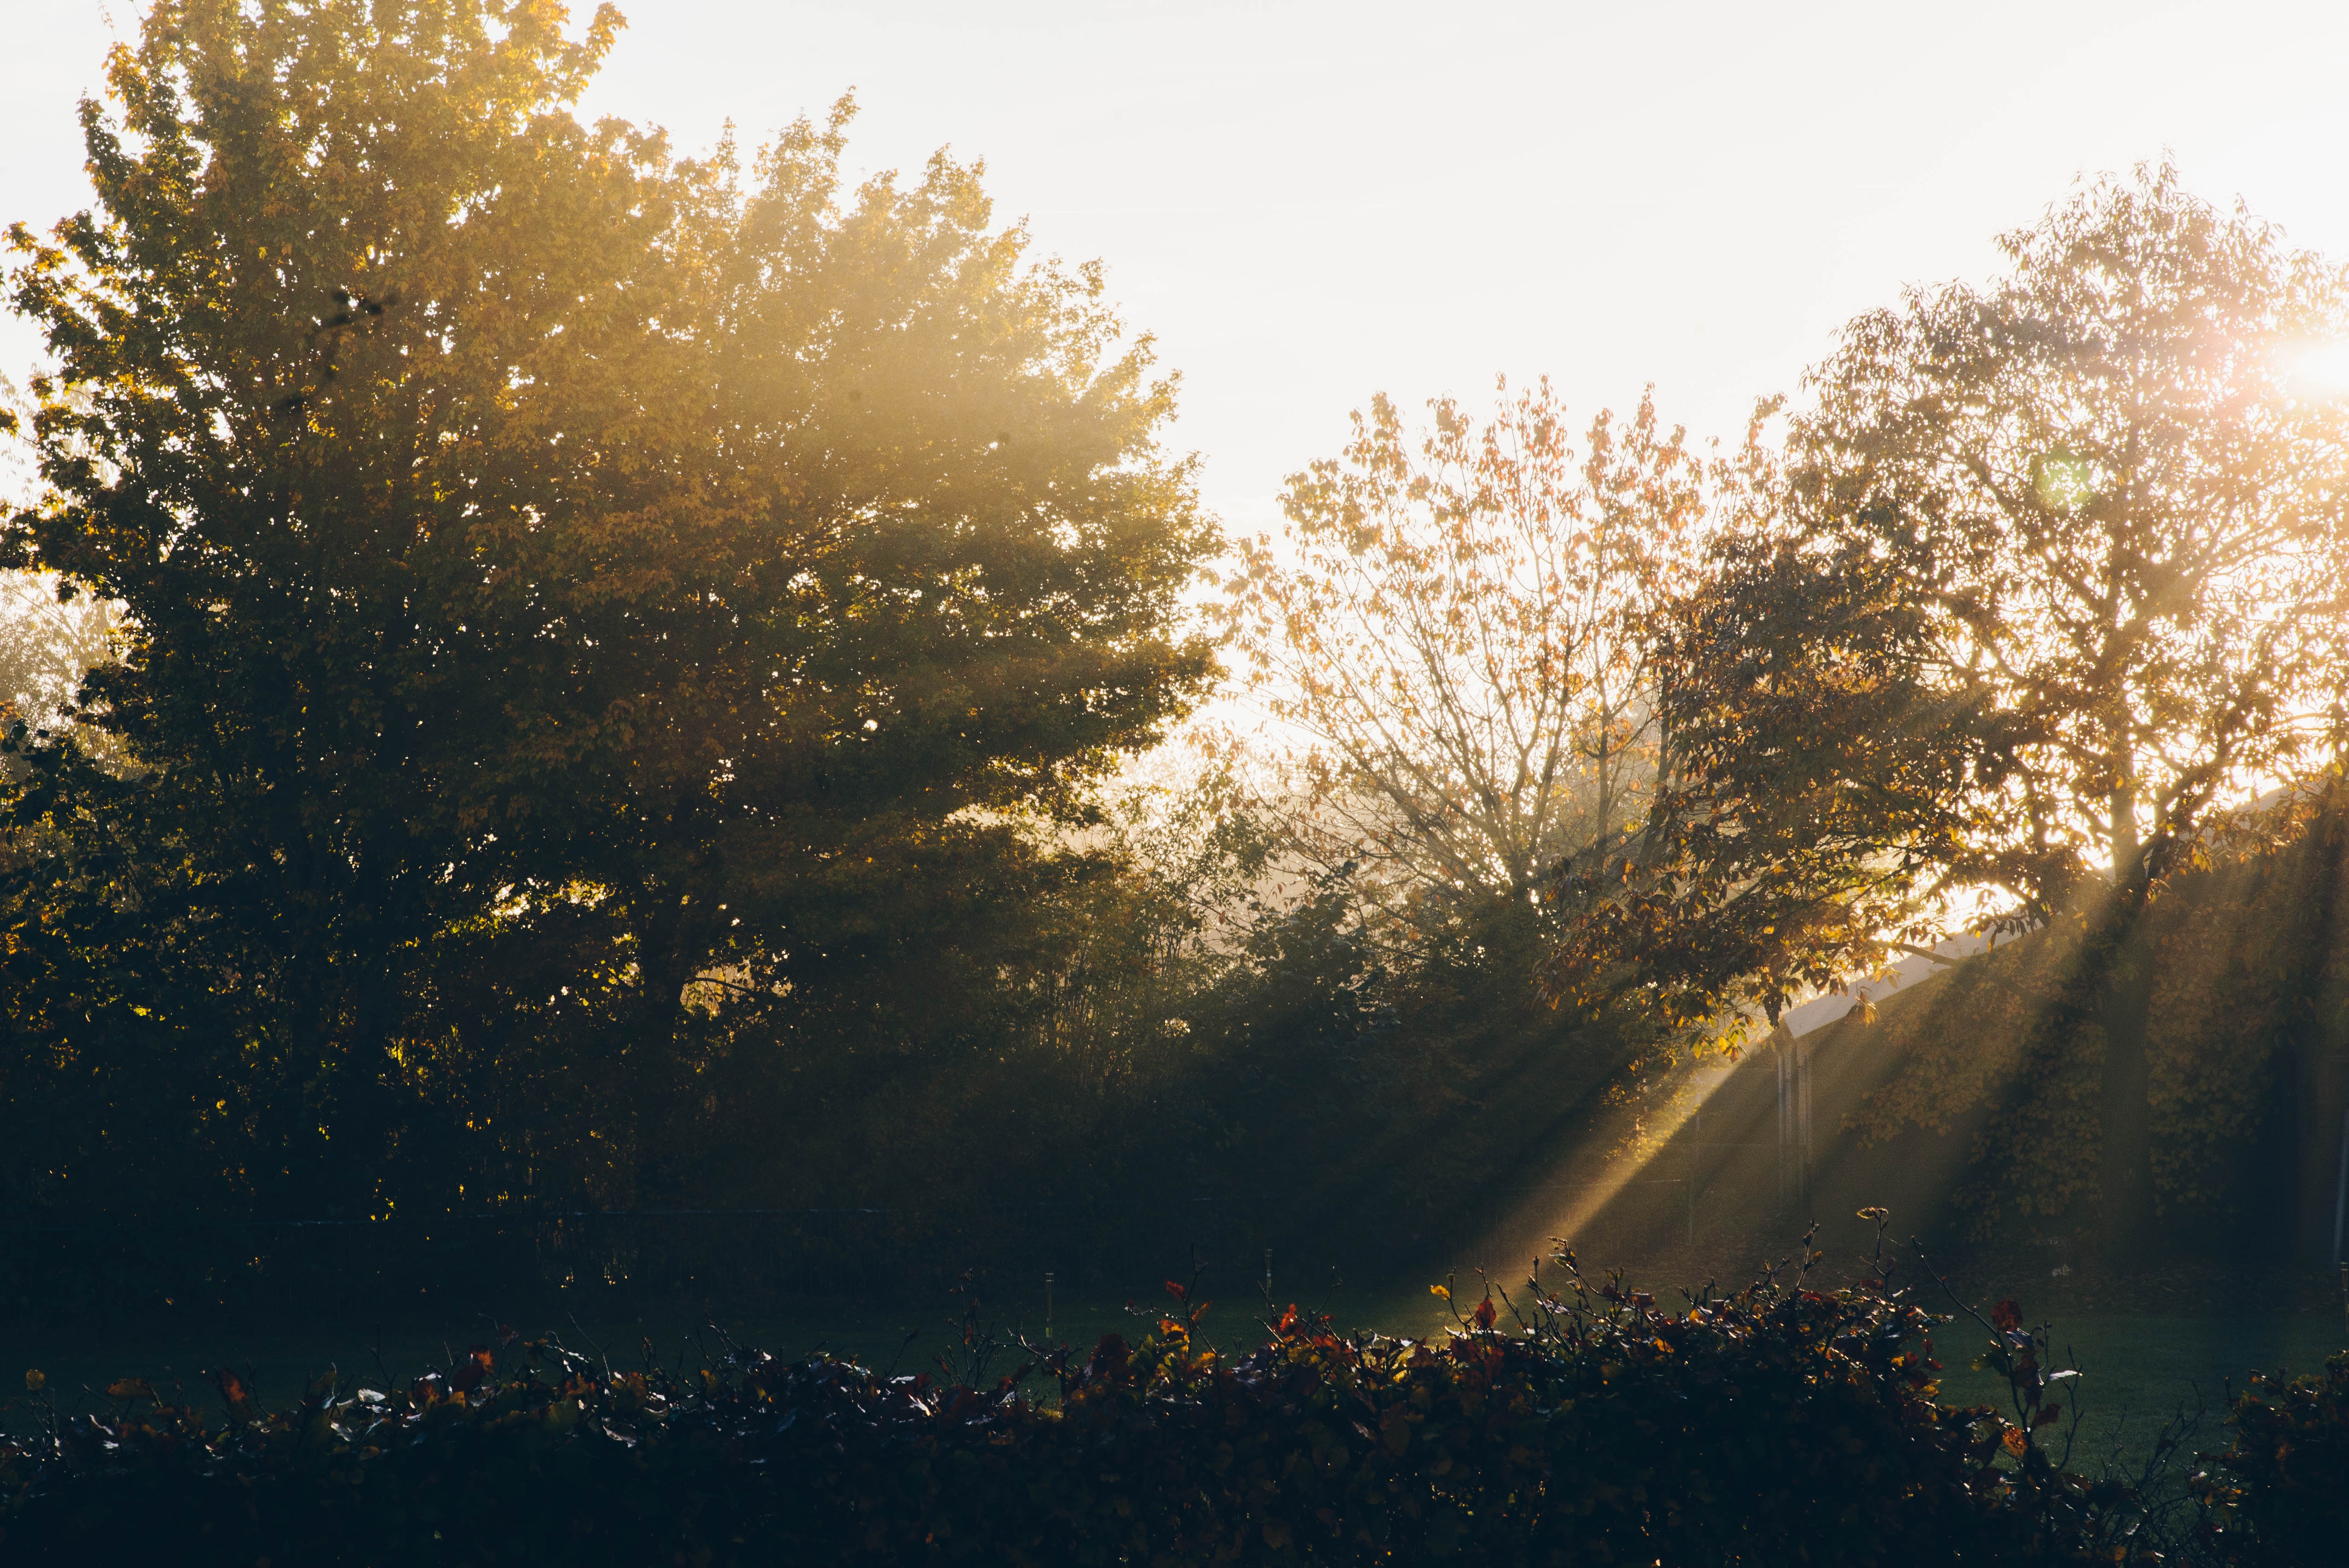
x,y
2137,1372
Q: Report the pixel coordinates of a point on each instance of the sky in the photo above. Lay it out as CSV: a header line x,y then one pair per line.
x,y
1307,203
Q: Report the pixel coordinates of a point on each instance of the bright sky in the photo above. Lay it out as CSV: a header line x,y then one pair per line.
x,y
1308,202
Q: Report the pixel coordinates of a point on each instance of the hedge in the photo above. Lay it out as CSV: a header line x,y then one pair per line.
x,y
2279,1496
1577,1423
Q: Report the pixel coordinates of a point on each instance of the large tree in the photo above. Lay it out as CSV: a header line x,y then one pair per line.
x,y
2058,573
528,536
1453,638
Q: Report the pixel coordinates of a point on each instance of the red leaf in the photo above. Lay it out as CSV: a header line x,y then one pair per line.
x,y
1177,1291
2006,1316
1485,1315
1288,1321
1109,1357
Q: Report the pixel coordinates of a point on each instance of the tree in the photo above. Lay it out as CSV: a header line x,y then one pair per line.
x,y
2061,570
536,543
1809,785
2127,518
1457,630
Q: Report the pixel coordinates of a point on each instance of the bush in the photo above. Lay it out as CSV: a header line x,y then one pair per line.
x,y
2280,1495
1580,1425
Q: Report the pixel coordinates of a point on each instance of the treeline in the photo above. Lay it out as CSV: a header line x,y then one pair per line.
x,y
623,660
622,671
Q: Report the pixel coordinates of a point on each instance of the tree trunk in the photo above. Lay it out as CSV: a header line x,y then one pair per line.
x,y
2122,824
2124,1110
372,1094
667,960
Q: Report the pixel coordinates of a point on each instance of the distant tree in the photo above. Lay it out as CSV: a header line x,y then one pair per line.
x,y
1809,783
2060,574
534,544
46,645
1452,640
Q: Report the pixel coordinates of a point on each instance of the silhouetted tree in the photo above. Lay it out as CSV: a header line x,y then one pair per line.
x,y
548,562
2059,573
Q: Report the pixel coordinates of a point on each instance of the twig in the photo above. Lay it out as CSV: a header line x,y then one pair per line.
x,y
589,1341
1919,1248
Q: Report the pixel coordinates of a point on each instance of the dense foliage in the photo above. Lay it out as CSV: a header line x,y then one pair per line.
x,y
591,616
611,674
2280,1495
1580,1425
618,656
2053,578
2054,571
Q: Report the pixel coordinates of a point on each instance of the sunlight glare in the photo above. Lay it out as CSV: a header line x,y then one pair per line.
x,y
2317,372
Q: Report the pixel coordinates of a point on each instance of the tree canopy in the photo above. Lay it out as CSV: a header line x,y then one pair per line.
x,y
2123,515
533,540
2054,572
2054,579
1456,630
576,676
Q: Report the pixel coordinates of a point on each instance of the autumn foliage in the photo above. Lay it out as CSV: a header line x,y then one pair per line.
x,y
2280,1495
1576,1423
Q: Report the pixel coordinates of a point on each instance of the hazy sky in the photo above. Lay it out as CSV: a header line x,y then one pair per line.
x,y
1309,202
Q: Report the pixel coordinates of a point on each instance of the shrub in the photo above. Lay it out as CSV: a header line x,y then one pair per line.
x,y
1580,1424
2280,1495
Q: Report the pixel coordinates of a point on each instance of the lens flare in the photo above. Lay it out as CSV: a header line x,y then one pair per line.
x,y
2065,482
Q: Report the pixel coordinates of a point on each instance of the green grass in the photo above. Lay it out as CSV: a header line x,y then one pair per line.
x,y
2137,1372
